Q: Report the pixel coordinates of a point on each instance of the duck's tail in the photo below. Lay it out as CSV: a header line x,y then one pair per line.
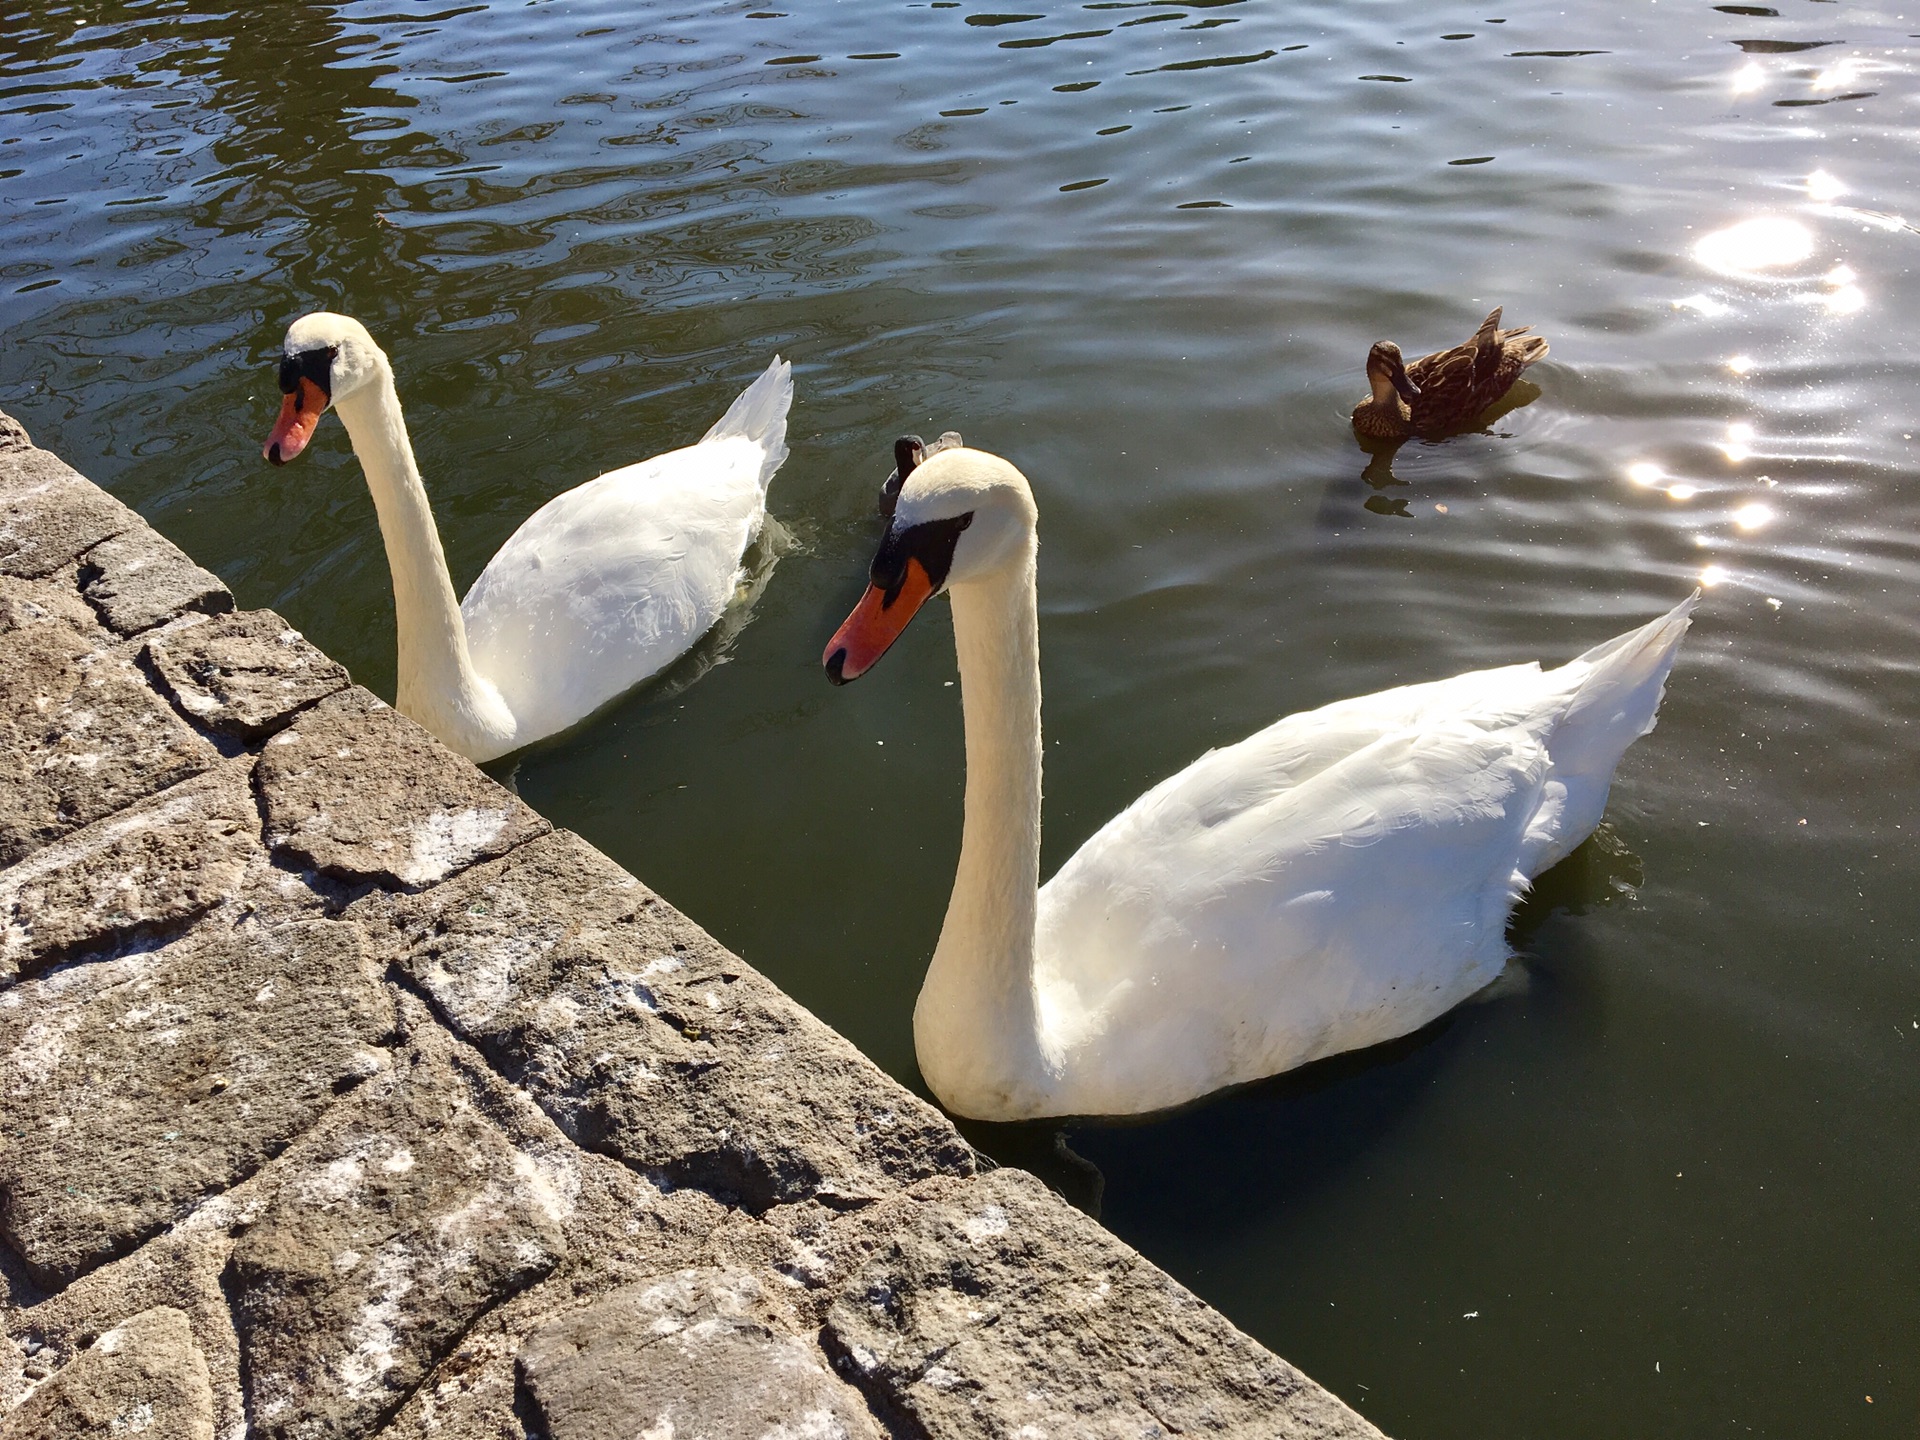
x,y
1618,688
1495,346
1522,346
759,414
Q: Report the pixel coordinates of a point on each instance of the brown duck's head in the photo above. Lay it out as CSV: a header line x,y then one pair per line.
x,y
1387,371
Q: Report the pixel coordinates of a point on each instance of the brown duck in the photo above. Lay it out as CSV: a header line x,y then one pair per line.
x,y
1448,389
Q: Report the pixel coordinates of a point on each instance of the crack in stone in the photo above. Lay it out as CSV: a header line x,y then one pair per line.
x,y
229,746
243,1369
899,1423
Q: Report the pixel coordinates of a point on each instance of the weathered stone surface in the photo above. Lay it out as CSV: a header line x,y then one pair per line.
x,y
981,1308
706,1352
617,1227
646,1040
357,791
623,1232
38,602
143,1377
50,514
619,1230
180,1270
244,674
140,578
81,735
136,1088
149,869
383,1246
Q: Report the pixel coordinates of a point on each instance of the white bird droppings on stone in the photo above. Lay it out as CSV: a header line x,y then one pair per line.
x,y
988,1223
446,840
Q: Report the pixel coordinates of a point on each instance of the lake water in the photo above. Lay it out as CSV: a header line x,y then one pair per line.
x,y
1663,1180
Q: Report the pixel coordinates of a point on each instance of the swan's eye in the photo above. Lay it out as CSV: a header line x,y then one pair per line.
x,y
314,365
931,542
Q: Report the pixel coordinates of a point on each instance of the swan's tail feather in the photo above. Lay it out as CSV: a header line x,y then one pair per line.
x,y
759,414
1616,702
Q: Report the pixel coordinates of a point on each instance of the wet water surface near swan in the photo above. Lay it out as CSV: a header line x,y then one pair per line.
x,y
1661,1179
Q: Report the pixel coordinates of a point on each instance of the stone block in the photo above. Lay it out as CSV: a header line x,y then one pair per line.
x,y
38,602
359,792
991,1308
139,578
50,514
623,1232
383,1246
646,1040
143,1377
137,1088
245,674
706,1352
82,735
180,1270
148,870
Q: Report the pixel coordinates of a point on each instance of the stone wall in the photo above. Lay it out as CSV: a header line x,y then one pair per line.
x,y
344,1096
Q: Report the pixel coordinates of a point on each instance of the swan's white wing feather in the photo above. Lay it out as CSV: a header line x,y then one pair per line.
x,y
609,583
1338,879
1223,928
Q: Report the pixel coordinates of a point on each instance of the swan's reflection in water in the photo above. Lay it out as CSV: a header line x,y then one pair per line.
x,y
1274,1124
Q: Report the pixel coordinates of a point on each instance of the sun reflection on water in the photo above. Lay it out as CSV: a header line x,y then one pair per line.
x,y
1834,76
1766,242
1847,300
1824,187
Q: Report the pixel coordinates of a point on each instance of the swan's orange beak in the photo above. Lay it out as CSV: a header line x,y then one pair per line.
x,y
300,411
876,622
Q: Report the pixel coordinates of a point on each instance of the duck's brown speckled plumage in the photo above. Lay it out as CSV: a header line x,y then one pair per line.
x,y
1453,386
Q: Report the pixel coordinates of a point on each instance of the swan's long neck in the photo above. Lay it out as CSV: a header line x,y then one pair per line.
x,y
438,685
975,1025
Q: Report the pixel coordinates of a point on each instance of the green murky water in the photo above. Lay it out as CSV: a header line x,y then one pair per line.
x,y
1663,1180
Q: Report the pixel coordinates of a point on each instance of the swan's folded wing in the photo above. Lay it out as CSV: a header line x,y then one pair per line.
x,y
608,584
1228,941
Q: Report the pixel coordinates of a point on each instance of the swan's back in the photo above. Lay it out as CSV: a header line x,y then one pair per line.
x,y
1337,879
608,584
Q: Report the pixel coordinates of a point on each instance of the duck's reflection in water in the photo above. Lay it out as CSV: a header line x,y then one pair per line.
x,y
1379,475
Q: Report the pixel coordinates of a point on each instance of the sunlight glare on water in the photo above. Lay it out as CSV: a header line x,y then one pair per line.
x,y
1767,242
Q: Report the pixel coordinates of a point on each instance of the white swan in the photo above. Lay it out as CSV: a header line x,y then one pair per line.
x,y
1340,878
598,589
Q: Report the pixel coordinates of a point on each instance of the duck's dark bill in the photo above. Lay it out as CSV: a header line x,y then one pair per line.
x,y
300,410
876,622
